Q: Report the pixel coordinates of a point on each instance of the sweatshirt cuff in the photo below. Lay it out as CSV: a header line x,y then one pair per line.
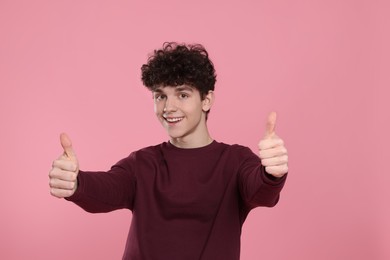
x,y
80,188
272,180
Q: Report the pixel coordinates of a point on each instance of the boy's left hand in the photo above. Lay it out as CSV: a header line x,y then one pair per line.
x,y
272,152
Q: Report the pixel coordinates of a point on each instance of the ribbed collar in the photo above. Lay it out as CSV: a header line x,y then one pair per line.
x,y
190,151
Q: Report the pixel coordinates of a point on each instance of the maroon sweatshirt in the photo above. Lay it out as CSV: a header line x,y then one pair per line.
x,y
186,203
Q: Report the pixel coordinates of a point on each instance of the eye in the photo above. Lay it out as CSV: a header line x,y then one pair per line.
x,y
159,97
183,95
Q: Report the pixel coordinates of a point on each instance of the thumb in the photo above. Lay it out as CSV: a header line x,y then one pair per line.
x,y
66,144
270,126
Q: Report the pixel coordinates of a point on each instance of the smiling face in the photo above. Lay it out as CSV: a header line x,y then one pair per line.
x,y
182,112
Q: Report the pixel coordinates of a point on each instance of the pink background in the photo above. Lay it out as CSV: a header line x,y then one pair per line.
x,y
74,66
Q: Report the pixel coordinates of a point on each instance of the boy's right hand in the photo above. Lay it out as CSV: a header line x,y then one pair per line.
x,y
63,175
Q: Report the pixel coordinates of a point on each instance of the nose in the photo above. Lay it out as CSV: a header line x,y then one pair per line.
x,y
170,105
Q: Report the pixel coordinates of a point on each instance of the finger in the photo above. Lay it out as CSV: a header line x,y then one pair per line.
x,y
272,152
274,161
56,173
268,143
270,126
66,144
61,193
277,171
60,184
65,165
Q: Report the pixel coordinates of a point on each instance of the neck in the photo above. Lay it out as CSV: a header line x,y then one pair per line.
x,y
193,142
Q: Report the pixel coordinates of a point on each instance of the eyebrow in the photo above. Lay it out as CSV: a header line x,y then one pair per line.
x,y
183,88
177,89
158,90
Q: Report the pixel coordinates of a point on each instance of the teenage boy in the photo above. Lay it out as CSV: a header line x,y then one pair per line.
x,y
191,195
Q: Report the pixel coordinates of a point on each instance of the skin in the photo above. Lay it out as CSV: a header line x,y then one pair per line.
x,y
63,175
272,152
182,113
183,103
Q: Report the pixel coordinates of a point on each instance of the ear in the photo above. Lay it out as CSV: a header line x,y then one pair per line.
x,y
208,101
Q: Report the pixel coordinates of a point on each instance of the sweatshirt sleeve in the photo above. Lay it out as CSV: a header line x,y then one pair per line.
x,y
106,191
256,186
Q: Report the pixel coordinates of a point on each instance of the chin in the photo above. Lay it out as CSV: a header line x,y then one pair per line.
x,y
175,135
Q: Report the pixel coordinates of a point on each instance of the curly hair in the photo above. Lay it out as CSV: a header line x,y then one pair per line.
x,y
178,64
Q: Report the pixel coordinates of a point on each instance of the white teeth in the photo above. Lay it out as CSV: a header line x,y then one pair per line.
x,y
173,120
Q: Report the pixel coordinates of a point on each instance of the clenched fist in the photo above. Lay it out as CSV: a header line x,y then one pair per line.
x,y
63,175
272,152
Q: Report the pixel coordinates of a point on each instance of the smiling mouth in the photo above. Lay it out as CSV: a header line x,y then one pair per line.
x,y
173,119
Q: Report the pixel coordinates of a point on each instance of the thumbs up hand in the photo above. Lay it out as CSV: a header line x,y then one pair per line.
x,y
272,152
63,175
